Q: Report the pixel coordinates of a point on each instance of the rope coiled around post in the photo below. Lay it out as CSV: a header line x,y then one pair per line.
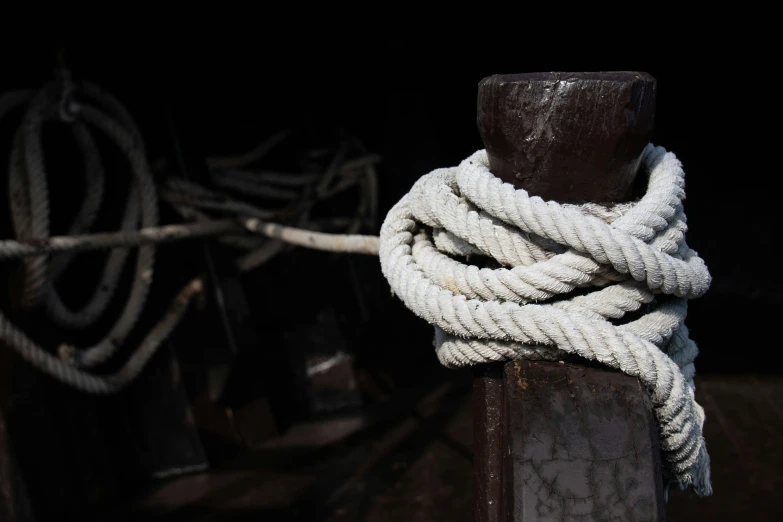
x,y
623,258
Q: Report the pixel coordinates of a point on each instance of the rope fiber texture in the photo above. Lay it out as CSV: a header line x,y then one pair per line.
x,y
567,275
85,109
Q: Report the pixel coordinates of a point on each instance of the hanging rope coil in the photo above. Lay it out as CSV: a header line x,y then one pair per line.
x,y
85,108
624,258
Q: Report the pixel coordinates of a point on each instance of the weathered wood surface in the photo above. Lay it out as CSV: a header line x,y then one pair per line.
x,y
584,444
492,470
568,137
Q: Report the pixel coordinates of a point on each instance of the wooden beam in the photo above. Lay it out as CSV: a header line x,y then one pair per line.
x,y
569,440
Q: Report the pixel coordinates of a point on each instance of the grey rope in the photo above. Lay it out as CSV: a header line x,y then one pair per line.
x,y
85,107
29,202
101,384
285,197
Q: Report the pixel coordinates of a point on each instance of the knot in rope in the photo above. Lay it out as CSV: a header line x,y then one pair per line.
x,y
566,277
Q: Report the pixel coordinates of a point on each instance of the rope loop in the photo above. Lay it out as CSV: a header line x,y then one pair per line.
x,y
567,275
96,111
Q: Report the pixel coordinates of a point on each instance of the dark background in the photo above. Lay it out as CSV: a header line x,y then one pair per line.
x,y
412,100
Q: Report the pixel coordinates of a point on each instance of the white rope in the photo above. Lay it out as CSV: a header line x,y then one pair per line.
x,y
633,256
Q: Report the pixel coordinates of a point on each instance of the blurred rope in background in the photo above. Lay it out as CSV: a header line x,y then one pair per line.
x,y
237,208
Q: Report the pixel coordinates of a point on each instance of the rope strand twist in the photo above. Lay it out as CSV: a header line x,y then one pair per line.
x,y
622,258
30,212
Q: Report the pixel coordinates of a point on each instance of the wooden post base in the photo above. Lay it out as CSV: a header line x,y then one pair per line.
x,y
565,441
556,441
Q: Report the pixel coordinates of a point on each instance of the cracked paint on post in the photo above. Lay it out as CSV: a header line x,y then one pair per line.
x,y
587,423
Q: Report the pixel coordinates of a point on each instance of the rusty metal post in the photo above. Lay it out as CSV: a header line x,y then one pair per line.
x,y
569,440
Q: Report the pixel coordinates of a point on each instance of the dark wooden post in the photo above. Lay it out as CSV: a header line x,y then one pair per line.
x,y
569,440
